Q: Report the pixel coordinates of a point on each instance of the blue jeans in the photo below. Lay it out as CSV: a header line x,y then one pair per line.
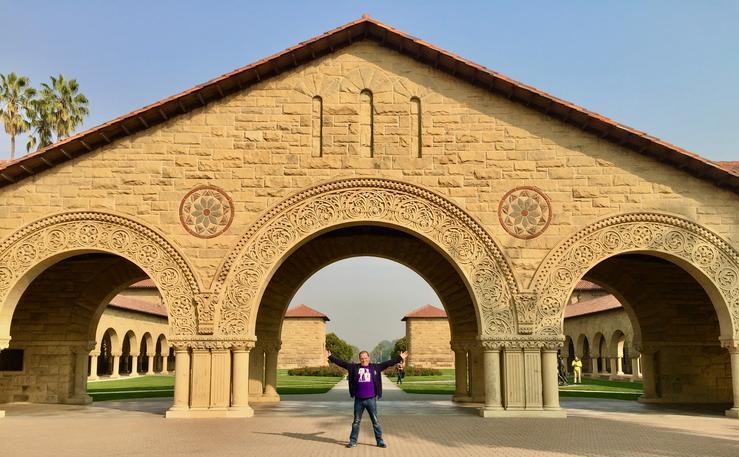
x,y
360,404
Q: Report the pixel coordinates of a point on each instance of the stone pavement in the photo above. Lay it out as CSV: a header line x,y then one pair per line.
x,y
319,426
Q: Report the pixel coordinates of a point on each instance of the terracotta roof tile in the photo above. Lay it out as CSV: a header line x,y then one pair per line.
x,y
596,305
329,42
305,311
425,311
145,284
587,285
731,166
141,306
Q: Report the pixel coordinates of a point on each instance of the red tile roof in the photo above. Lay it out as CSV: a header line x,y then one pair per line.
x,y
361,29
425,312
305,311
141,306
596,305
145,284
731,166
587,285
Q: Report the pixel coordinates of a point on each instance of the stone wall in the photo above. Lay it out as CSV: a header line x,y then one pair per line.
x,y
428,343
303,343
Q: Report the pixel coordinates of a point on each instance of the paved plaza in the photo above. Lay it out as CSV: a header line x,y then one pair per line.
x,y
319,426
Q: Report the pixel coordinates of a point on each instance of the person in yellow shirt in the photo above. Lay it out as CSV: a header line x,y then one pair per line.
x,y
577,370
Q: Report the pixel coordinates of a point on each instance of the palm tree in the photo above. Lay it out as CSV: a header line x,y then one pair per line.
x,y
67,105
15,95
40,118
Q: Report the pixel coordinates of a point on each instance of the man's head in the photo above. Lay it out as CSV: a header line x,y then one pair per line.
x,y
364,358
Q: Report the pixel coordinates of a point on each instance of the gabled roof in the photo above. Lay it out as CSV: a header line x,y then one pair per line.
x,y
596,305
140,306
305,311
587,285
426,312
366,28
144,284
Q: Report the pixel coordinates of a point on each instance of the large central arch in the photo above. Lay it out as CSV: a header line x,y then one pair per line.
x,y
427,215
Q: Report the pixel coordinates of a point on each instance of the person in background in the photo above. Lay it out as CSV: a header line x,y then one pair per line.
x,y
577,370
400,371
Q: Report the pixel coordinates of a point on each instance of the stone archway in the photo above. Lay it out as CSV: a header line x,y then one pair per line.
x,y
705,264
30,250
430,216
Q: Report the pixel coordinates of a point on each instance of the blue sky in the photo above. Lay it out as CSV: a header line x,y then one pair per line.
x,y
669,68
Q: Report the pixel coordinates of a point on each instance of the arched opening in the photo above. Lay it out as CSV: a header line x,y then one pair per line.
x,y
55,324
676,329
369,241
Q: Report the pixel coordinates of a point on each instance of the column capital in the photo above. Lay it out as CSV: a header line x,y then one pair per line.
x,y
198,343
4,343
531,342
731,344
525,305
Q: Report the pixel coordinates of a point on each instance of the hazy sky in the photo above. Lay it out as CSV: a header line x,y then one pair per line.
x,y
666,67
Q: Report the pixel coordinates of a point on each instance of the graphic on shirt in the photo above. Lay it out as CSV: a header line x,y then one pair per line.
x,y
365,375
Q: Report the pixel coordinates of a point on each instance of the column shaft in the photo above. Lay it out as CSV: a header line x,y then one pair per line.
x,y
270,375
150,368
240,393
550,389
493,394
734,411
461,391
93,366
182,379
116,366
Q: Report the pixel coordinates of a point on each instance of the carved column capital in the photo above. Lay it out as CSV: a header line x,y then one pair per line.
x,y
544,342
525,306
205,311
731,344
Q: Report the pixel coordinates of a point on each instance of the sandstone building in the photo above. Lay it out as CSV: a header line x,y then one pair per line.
x,y
427,336
367,141
303,338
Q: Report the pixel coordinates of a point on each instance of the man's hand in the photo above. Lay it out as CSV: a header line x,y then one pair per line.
x,y
403,355
328,353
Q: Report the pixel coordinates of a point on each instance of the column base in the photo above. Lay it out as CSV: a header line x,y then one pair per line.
x,y
462,399
192,413
503,413
79,400
265,398
733,413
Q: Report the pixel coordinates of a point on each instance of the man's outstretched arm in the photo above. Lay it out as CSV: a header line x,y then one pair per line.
x,y
335,360
395,361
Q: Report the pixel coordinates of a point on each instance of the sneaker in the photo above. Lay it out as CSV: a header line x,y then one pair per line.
x,y
351,444
381,444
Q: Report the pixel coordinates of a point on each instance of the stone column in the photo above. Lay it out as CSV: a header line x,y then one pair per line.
x,y
256,372
134,365
462,390
477,379
594,365
616,370
733,347
4,344
648,355
550,386
116,365
493,394
93,366
150,369
240,383
181,380
79,382
636,367
270,371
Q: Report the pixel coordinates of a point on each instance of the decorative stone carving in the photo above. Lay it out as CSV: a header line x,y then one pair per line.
x,y
93,231
525,303
632,232
206,211
549,342
361,200
525,212
205,308
204,343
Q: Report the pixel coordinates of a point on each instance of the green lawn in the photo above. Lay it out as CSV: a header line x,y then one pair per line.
x,y
291,385
591,388
138,387
442,385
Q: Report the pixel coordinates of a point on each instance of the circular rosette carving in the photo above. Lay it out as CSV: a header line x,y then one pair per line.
x,y
641,235
704,254
727,278
675,241
148,253
417,214
525,212
88,234
6,277
206,212
364,204
550,306
610,240
583,255
168,277
55,239
120,240
26,253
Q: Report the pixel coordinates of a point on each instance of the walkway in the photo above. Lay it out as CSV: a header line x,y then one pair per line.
x,y
319,426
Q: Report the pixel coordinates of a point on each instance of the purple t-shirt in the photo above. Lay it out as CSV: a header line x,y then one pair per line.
x,y
365,384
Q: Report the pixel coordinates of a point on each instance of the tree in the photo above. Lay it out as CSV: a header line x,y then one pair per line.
x,y
67,106
338,347
400,346
40,119
383,350
15,96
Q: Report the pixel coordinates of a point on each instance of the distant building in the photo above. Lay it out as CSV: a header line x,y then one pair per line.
x,y
428,337
303,338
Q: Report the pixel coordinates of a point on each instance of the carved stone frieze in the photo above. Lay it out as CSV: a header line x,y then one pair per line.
x,y
645,232
549,342
93,231
381,201
525,303
205,309
209,342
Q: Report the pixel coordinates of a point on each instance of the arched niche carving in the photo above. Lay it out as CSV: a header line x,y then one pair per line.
x,y
40,244
705,255
247,270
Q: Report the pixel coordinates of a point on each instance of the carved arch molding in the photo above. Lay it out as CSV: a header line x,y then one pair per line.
x,y
103,232
244,274
654,232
